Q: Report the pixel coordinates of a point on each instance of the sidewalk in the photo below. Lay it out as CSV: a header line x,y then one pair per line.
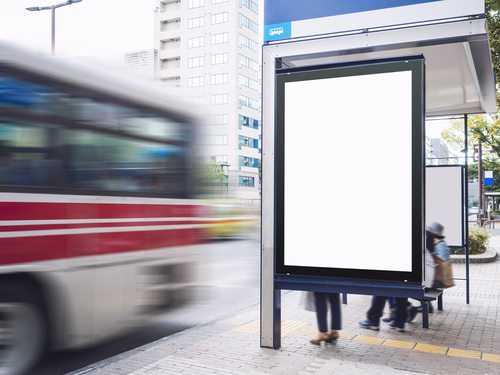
x,y
463,339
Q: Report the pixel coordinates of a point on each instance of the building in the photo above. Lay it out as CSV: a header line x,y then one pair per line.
x,y
438,152
143,62
211,48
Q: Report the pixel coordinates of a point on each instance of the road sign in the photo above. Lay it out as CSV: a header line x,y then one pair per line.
x,y
488,178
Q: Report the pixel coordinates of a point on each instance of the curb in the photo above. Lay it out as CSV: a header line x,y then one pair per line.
x,y
488,257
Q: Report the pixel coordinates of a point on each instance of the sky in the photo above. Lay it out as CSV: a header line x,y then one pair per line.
x,y
101,29
104,29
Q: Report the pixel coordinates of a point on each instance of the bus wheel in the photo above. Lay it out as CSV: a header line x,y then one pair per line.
x,y
22,331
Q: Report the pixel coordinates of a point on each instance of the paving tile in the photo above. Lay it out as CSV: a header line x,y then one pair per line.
x,y
428,348
399,344
460,353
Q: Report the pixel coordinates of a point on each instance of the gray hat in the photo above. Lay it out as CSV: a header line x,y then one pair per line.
x,y
436,229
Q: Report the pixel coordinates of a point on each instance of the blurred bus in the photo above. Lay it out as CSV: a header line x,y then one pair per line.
x,y
96,205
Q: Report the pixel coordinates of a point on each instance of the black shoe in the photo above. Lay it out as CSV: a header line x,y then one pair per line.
x,y
366,324
387,320
393,325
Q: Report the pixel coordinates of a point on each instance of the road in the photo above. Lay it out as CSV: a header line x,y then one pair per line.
x,y
228,273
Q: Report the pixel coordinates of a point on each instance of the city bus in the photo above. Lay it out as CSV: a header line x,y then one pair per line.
x,y
97,205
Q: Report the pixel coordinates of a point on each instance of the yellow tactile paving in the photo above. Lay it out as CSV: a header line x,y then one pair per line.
x,y
372,340
428,348
399,344
298,327
460,353
491,357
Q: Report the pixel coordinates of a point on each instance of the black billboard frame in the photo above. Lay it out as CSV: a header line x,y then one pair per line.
x,y
415,64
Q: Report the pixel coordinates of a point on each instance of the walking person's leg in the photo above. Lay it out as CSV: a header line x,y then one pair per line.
x,y
401,314
392,309
374,314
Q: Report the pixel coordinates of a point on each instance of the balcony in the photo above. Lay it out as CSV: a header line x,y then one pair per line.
x,y
169,53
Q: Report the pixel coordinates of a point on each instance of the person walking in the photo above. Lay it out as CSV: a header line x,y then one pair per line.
x,y
376,311
321,303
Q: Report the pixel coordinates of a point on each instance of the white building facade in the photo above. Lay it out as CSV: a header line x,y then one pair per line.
x,y
211,48
143,62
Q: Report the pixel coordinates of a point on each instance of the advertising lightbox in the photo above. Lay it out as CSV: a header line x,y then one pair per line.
x,y
444,201
349,171
285,19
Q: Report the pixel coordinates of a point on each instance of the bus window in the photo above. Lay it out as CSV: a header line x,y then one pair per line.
x,y
29,155
114,163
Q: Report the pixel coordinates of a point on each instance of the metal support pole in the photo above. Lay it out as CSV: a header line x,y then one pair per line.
x,y
270,296
480,174
53,45
466,187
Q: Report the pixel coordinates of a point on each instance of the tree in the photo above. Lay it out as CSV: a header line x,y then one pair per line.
x,y
493,18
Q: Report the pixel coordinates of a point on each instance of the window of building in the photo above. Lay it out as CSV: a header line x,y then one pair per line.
x,y
221,119
196,3
247,23
219,78
219,1
196,22
250,5
196,42
245,42
247,62
244,81
247,181
248,142
248,122
196,62
220,38
220,18
196,81
219,58
254,104
251,103
246,161
218,99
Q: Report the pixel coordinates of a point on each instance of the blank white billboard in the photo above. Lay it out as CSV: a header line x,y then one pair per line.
x,y
348,172
443,201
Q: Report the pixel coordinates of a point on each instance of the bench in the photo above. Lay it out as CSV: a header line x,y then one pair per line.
x,y
429,296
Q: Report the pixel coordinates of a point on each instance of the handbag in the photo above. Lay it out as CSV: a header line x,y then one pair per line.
x,y
307,301
443,276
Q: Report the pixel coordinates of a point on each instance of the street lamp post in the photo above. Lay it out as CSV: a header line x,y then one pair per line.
x,y
53,8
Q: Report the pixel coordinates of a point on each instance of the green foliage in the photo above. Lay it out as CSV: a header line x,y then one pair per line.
x,y
215,173
493,17
478,240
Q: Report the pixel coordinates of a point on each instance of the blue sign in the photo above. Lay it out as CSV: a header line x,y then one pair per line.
x,y
278,31
279,11
280,15
488,182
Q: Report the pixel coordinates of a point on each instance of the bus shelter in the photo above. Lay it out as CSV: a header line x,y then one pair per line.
x,y
345,96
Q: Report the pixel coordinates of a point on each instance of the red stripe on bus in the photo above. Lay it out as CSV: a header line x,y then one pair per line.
x,y
43,248
53,211
17,228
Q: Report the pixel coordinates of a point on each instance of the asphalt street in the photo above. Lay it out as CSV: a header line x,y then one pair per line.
x,y
228,281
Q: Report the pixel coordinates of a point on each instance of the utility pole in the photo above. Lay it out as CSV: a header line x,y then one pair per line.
x,y
480,174
53,8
